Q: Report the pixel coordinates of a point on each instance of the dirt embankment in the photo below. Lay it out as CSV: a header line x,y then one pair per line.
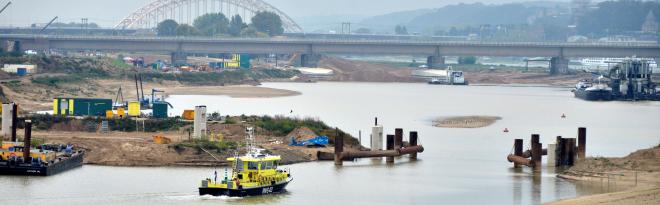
x,y
519,77
348,70
637,174
139,148
37,97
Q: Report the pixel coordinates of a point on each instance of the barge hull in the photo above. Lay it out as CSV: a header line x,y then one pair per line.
x,y
277,188
28,170
593,95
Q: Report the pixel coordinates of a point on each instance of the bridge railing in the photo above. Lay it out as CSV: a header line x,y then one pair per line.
x,y
335,41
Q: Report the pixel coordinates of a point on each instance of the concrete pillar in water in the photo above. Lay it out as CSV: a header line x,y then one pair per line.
x,y
551,155
398,138
558,65
435,62
310,60
14,121
6,120
413,142
582,143
339,148
536,151
376,137
390,146
517,150
199,123
27,141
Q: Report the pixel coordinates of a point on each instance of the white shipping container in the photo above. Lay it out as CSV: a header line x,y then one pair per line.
x,y
13,68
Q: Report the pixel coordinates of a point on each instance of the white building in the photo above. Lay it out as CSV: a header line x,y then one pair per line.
x,y
14,68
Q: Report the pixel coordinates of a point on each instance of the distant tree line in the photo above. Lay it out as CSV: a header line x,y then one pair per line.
x,y
217,24
615,17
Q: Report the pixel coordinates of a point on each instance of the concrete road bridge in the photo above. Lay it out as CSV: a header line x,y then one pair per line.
x,y
311,49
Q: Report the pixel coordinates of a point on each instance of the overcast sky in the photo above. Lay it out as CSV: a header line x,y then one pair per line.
x,y
108,12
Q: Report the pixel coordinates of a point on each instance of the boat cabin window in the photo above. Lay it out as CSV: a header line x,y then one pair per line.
x,y
239,165
267,165
252,165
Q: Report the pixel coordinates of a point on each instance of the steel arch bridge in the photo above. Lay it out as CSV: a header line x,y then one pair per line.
x,y
185,11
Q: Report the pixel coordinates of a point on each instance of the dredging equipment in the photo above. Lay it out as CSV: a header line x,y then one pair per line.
x,y
42,160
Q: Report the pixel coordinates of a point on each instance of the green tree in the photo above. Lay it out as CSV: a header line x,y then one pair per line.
x,y
212,24
167,28
186,30
268,22
401,30
236,25
468,60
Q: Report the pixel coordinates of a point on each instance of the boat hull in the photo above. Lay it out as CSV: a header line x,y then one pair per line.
x,y
598,95
255,191
29,170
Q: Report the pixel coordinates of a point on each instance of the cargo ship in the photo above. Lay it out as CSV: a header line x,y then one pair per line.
x,y
254,173
20,158
598,92
630,80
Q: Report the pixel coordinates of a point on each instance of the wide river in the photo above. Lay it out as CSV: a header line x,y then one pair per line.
x,y
459,166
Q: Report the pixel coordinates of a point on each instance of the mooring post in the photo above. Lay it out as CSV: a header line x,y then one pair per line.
x,y
517,150
390,146
559,151
536,151
339,148
582,142
27,141
14,121
413,142
571,152
398,138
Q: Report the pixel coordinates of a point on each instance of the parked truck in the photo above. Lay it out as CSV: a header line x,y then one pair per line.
x,y
442,77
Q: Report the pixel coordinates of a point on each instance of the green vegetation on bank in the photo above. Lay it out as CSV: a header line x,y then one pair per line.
x,y
203,144
92,124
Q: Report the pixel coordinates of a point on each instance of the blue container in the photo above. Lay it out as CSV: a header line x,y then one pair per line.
x,y
21,71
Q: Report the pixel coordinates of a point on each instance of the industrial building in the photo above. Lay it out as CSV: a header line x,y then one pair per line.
x,y
19,69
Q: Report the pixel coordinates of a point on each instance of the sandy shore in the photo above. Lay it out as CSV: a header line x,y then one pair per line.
x,y
637,174
465,121
242,91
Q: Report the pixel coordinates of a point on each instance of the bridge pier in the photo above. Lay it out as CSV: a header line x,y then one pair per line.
x,y
310,60
435,62
558,65
179,58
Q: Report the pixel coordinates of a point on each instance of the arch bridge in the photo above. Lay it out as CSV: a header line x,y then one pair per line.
x,y
185,11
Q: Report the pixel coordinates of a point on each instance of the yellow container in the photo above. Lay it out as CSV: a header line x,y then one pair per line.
x,y
134,109
109,114
121,112
188,115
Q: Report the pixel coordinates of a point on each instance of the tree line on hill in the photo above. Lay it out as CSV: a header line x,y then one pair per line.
x,y
263,24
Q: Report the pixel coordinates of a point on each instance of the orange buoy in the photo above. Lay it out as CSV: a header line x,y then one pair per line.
x,y
506,130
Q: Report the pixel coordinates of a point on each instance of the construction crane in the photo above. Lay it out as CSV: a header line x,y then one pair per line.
x,y
144,103
5,7
120,96
46,26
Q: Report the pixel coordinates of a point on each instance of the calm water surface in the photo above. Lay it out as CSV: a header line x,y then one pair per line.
x,y
459,166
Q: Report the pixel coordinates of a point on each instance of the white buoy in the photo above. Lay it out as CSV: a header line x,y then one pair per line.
x,y
199,124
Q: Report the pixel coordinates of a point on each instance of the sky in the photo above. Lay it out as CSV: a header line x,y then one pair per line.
x,y
108,12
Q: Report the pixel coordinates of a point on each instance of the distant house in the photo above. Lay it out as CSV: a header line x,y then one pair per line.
x,y
650,25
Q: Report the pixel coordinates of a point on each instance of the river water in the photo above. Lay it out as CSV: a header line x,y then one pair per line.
x,y
459,166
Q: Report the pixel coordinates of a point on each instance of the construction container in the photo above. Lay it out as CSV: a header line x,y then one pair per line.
x,y
121,112
134,108
109,114
81,106
21,71
159,110
188,115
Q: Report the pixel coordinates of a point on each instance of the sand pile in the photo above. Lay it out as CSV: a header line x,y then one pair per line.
x,y
465,121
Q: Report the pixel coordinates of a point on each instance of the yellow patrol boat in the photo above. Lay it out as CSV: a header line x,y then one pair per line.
x,y
254,173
